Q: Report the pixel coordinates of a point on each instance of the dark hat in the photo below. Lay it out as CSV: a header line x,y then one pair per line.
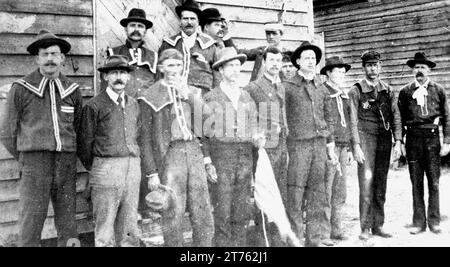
x,y
370,56
306,46
228,54
210,15
137,15
161,199
189,5
46,39
116,62
334,62
420,58
287,55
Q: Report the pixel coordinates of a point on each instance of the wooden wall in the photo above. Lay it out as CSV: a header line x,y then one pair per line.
x,y
20,21
398,29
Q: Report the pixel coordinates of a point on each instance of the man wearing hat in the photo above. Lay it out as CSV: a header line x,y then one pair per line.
x,y
268,94
171,150
140,57
211,23
310,122
108,148
336,176
424,106
144,62
198,49
40,129
378,121
230,139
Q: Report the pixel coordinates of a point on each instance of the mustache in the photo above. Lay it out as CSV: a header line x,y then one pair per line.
x,y
50,63
119,82
420,74
136,33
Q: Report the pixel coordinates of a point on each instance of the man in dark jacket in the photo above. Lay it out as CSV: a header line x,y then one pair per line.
x,y
424,106
40,129
310,140
378,120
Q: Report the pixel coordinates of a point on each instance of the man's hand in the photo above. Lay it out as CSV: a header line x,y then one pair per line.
x,y
259,140
211,173
153,182
445,150
332,154
358,154
397,150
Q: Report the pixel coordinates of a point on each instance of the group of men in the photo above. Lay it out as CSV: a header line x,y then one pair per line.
x,y
171,131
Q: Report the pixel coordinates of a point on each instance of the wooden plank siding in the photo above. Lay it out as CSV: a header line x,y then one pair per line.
x,y
20,21
397,29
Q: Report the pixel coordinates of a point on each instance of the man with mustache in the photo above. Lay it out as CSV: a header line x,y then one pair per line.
x,y
40,127
310,142
212,24
144,75
198,49
141,58
424,105
108,148
269,96
378,121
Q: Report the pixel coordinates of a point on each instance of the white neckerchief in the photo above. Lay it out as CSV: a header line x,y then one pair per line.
x,y
306,77
232,93
189,41
114,96
340,105
420,95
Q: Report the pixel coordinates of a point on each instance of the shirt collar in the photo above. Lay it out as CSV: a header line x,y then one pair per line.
x,y
128,44
425,85
185,36
337,91
303,78
273,80
114,96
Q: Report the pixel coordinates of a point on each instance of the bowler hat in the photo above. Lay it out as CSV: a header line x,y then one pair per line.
x,y
161,199
136,15
228,54
46,39
306,46
210,15
420,58
370,56
189,5
334,62
116,62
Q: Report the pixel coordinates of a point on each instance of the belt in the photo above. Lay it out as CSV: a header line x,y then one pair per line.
x,y
423,127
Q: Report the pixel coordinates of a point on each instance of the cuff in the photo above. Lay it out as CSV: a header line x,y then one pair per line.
x,y
331,145
447,140
227,37
207,160
152,175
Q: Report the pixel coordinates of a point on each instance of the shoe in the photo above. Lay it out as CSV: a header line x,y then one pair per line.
x,y
417,230
380,232
364,235
436,229
327,243
340,237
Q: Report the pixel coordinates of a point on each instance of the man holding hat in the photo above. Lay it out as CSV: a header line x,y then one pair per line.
x,y
198,49
171,150
40,129
336,176
140,57
230,139
378,120
108,148
310,122
424,106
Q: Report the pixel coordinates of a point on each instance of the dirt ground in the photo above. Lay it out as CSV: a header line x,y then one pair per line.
x,y
398,213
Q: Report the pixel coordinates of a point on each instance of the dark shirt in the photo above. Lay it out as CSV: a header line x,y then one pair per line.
x,y
32,124
437,105
377,109
108,130
308,109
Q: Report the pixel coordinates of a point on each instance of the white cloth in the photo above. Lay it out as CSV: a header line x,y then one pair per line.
x,y
232,93
268,197
189,41
339,95
114,96
421,93
308,77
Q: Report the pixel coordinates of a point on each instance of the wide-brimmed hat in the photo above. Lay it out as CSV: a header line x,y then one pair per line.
x,y
116,62
210,15
228,54
306,46
137,15
46,39
370,56
420,58
161,199
189,5
334,62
